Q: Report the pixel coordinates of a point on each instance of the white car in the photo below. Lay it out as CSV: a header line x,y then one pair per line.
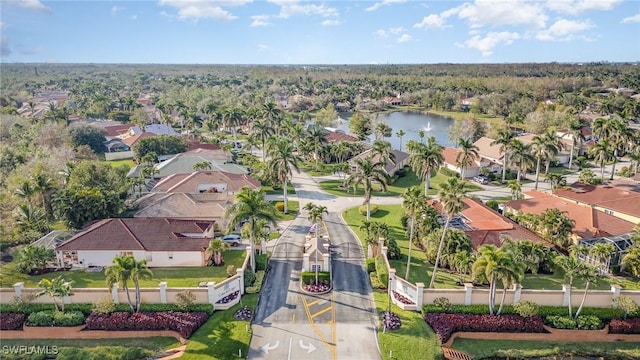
x,y
232,239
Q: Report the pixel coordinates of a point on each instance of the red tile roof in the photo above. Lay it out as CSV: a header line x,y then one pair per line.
x,y
198,145
116,130
149,234
335,137
132,140
620,195
589,222
450,155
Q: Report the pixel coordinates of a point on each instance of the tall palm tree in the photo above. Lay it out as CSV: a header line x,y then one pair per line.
x,y
412,201
575,130
421,135
543,147
496,264
621,138
631,260
424,159
504,139
367,173
315,215
466,156
516,189
44,184
521,157
602,153
231,118
273,115
139,271
382,131
383,150
553,146
589,274
282,163
120,273
263,129
250,207
571,266
317,139
400,134
451,195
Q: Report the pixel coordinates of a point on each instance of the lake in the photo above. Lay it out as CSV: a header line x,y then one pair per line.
x,y
411,123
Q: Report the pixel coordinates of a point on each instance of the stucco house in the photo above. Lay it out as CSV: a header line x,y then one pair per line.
x,y
450,156
162,242
401,160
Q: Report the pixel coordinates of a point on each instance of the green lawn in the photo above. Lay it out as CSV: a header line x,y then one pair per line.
x,y
222,336
489,349
116,163
175,277
414,339
156,345
293,207
421,269
268,190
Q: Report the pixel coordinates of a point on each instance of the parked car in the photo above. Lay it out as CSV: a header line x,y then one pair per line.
x,y
481,179
232,239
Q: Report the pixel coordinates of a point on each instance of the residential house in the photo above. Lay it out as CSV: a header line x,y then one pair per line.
x,y
183,163
589,222
619,198
450,156
401,160
316,254
206,182
116,145
114,130
485,226
160,241
392,101
563,155
202,207
132,140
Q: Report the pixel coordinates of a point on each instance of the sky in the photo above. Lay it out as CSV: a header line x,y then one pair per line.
x,y
319,32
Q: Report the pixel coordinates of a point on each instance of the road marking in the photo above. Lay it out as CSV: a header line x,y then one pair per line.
x,y
293,318
322,302
333,326
268,347
309,348
321,311
314,302
290,342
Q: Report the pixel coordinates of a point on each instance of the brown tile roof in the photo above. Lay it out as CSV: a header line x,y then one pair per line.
x,y
620,195
198,145
210,206
400,156
450,155
528,139
489,227
131,140
213,154
188,183
116,130
589,222
485,149
335,137
150,234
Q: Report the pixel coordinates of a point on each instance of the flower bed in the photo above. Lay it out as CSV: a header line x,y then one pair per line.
x,y
403,299
629,326
446,324
185,323
390,321
229,298
243,314
320,288
11,321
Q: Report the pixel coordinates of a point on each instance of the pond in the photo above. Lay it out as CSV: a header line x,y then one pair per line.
x,y
412,122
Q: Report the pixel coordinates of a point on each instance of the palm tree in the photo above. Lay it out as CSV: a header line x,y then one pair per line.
x,y
516,189
55,288
571,266
521,157
602,153
412,201
621,138
215,249
317,139
231,118
382,131
466,156
424,159
202,165
400,133
263,129
631,260
366,173
451,195
139,271
272,115
462,263
553,145
282,163
575,130
315,216
589,274
44,185
26,190
383,150
602,252
504,139
421,135
120,273
28,217
250,207
543,148
496,264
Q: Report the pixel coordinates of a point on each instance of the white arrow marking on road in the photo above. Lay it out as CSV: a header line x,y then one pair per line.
x,y
309,348
265,348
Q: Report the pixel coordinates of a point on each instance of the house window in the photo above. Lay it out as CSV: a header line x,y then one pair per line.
x,y
607,211
314,267
170,255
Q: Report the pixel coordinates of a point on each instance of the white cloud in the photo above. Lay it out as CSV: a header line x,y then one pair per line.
x,y
116,9
133,17
404,38
431,21
4,46
564,30
331,23
290,8
398,30
381,33
486,44
496,13
260,20
577,6
198,9
377,6
31,4
262,47
631,19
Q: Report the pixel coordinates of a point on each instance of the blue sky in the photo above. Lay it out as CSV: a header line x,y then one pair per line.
x,y
319,32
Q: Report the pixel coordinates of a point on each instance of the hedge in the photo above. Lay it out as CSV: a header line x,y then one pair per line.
x,y
370,264
257,284
381,270
363,209
261,262
309,277
87,309
55,318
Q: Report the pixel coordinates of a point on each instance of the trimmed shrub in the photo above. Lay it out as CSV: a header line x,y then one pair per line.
x,y
526,308
561,322
493,204
628,326
185,323
588,322
41,318
393,250
363,209
375,283
279,205
309,277
104,305
68,318
257,284
261,262
381,270
443,303
11,321
446,324
371,265
249,277
185,298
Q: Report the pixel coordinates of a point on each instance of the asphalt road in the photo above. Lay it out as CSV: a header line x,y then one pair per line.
x,y
290,324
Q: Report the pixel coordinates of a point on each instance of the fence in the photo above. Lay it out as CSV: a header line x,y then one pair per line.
x,y
222,295
118,155
416,295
